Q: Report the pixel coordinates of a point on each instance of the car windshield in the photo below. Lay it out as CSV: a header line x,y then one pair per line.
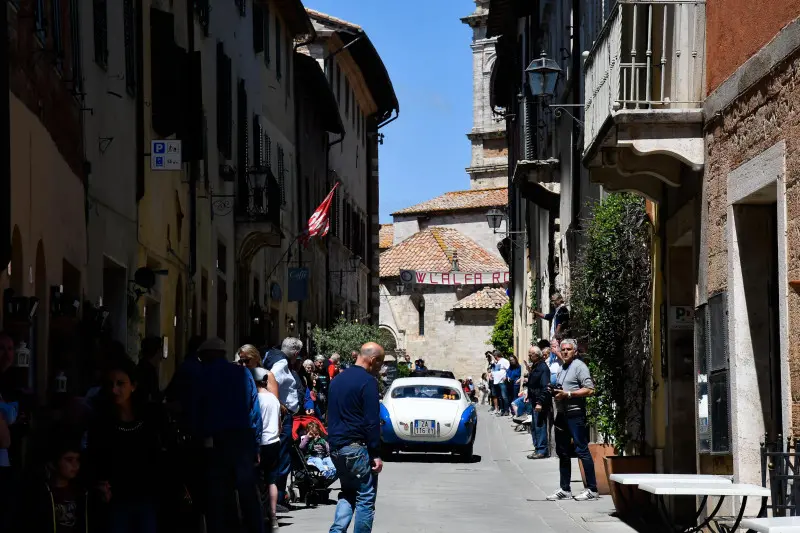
x,y
426,391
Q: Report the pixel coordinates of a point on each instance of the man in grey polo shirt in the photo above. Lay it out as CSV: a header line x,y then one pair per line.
x,y
573,384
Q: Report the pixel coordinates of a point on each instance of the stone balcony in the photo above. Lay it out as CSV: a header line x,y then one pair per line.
x,y
644,91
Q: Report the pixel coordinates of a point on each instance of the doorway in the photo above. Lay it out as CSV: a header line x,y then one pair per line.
x,y
115,298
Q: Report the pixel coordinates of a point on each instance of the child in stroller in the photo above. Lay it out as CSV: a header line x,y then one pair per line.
x,y
309,482
318,453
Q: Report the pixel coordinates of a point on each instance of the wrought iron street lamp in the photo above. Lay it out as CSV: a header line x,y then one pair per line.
x,y
495,218
542,75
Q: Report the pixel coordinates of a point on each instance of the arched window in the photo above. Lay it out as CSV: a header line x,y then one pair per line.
x,y
421,311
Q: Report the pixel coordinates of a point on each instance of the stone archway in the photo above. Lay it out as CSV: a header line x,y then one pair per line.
x,y
17,277
249,242
387,338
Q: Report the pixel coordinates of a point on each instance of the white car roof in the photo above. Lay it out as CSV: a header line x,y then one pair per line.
x,y
436,382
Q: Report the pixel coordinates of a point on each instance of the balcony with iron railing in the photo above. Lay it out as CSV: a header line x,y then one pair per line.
x,y
644,84
257,210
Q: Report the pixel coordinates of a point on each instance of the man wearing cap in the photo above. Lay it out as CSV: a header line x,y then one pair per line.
x,y
230,428
280,363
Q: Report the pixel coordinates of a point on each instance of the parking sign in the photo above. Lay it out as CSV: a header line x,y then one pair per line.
x,y
165,155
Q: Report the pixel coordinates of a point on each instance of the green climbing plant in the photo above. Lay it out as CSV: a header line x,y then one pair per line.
x,y
503,333
611,302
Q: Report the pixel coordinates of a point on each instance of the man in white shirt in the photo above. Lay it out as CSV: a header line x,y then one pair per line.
x,y
499,369
280,363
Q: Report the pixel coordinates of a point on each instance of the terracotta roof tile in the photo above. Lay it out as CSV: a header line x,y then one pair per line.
x,y
459,200
488,298
329,18
432,250
386,236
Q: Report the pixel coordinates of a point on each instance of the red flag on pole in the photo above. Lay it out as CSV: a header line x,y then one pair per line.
x,y
320,221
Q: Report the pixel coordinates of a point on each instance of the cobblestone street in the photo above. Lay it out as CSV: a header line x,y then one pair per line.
x,y
500,491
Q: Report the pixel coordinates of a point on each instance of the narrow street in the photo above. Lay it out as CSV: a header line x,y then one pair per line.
x,y
500,491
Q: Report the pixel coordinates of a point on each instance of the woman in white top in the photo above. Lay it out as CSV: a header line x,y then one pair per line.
x,y
270,408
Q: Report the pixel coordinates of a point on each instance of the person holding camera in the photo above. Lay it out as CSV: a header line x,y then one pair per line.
x,y
573,385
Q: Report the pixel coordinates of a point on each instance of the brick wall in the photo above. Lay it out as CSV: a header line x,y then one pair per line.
x,y
43,80
764,115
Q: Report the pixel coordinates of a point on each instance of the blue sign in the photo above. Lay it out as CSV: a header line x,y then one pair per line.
x,y
165,155
298,284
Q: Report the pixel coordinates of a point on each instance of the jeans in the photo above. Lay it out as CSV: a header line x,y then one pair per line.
x,y
231,470
324,465
132,517
501,393
285,459
539,433
523,407
573,427
359,489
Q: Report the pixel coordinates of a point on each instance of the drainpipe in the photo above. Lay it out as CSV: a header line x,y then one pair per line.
x,y
192,167
5,151
298,164
140,149
577,98
328,241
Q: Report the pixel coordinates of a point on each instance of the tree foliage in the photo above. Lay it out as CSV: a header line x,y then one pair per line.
x,y
344,337
611,303
503,333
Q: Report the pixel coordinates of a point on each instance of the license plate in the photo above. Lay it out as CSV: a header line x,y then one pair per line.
x,y
424,427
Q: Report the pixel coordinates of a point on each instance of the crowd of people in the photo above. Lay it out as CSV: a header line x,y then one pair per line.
x,y
213,447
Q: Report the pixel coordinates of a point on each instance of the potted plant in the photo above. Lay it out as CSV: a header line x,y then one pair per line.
x,y
611,307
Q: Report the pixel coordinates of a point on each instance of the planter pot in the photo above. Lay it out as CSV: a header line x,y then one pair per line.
x,y
628,497
599,453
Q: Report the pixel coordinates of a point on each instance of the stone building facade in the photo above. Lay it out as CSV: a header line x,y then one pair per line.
x,y
449,326
489,165
750,219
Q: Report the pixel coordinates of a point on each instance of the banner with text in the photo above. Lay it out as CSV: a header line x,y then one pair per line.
x,y
453,278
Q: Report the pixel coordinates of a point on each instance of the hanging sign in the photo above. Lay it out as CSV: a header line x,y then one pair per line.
x,y
298,284
420,277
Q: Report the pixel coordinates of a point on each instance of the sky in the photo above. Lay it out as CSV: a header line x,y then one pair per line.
x,y
427,53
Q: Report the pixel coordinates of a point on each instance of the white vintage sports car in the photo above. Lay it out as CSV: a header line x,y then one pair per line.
x,y
429,415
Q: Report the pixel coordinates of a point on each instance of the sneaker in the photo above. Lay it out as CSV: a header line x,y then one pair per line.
x,y
560,494
528,420
281,508
587,495
275,525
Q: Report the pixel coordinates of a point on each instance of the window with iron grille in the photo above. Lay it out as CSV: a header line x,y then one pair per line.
x,y
267,22
224,103
243,130
267,151
258,28
203,9
711,332
258,142
281,175
130,46
39,20
278,44
75,43
55,28
100,20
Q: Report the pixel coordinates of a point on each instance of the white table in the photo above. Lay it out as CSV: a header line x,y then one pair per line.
x,y
638,479
706,490
778,524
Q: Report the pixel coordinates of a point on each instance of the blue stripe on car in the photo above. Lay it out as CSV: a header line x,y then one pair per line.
x,y
469,418
387,429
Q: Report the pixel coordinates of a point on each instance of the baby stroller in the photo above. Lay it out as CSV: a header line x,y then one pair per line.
x,y
306,483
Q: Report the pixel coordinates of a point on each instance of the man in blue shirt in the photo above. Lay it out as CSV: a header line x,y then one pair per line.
x,y
354,436
229,427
